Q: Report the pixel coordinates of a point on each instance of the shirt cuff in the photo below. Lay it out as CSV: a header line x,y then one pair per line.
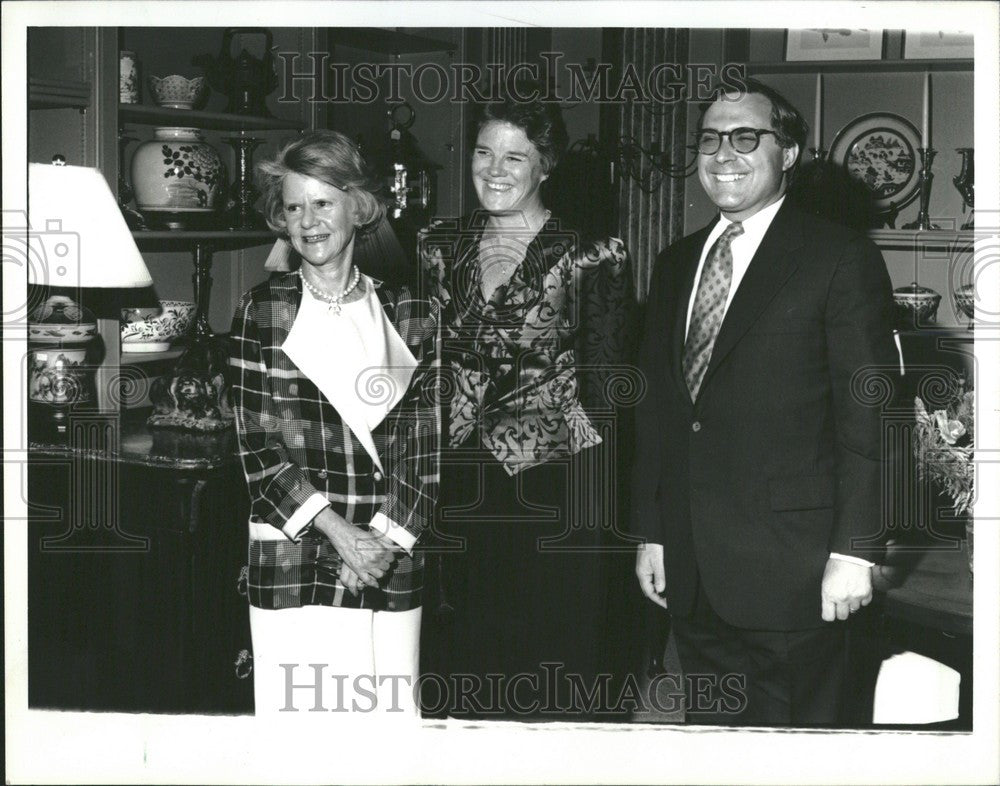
x,y
384,525
855,560
301,518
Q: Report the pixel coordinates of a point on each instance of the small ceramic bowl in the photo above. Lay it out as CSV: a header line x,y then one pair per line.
x,y
152,329
965,301
176,91
61,321
916,306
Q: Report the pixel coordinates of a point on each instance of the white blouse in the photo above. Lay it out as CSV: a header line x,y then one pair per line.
x,y
363,367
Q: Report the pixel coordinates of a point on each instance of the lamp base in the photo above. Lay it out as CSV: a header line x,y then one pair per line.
x,y
51,422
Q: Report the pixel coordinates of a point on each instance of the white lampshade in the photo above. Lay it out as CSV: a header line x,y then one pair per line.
x,y
78,237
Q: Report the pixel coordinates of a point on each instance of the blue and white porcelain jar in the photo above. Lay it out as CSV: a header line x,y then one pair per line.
x,y
177,172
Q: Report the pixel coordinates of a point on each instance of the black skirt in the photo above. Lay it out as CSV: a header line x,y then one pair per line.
x,y
530,572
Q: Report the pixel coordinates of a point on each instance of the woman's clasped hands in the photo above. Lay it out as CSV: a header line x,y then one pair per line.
x,y
367,556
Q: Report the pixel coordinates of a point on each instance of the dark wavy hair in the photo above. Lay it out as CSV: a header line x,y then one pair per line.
x,y
789,127
330,157
541,121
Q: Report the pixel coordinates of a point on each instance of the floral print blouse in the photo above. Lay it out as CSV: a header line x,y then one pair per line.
x,y
524,362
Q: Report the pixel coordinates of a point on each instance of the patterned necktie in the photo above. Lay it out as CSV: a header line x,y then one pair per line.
x,y
709,308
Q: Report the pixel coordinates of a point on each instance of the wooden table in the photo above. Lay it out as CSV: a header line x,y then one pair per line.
x,y
923,603
137,539
928,585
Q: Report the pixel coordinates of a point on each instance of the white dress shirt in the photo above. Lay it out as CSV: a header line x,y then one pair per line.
x,y
743,249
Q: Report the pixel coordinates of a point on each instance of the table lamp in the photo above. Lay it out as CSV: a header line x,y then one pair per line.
x,y
77,240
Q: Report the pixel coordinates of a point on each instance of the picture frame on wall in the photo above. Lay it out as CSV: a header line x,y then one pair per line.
x,y
833,44
937,44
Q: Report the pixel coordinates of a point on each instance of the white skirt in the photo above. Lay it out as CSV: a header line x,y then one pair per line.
x,y
325,658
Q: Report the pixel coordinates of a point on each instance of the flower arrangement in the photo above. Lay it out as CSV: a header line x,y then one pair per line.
x,y
944,444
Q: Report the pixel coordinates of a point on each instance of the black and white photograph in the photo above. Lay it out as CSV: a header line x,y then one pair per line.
x,y
476,392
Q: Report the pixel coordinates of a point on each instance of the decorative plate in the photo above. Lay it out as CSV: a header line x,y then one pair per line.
x,y
880,151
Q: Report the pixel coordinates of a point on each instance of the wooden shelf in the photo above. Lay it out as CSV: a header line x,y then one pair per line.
x,y
58,94
388,41
220,239
916,238
940,332
140,114
856,66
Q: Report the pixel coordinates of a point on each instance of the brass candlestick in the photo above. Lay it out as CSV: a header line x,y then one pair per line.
x,y
926,180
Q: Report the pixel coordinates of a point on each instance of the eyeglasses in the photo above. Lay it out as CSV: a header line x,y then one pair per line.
x,y
743,140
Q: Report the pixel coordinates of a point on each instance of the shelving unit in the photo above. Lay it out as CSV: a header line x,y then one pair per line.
x,y
859,66
938,259
141,114
907,239
204,243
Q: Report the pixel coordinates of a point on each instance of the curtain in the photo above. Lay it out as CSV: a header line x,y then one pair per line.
x,y
649,204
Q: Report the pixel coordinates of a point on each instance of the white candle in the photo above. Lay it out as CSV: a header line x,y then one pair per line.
x,y
818,124
925,129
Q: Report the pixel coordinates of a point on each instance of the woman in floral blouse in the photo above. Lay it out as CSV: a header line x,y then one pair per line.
x,y
535,315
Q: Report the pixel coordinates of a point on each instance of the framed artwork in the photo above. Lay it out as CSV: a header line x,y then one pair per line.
x,y
833,44
936,45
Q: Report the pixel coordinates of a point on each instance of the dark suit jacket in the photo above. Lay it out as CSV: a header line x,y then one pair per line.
x,y
777,464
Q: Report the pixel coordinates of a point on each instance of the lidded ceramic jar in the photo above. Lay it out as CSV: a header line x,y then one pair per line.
x,y
177,173
916,306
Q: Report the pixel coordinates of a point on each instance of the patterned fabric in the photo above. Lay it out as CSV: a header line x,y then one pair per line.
x,y
523,363
293,444
709,308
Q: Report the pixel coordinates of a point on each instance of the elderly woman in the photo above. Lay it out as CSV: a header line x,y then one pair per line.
x,y
535,315
338,439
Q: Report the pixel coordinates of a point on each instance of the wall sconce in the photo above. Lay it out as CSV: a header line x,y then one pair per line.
x,y
645,166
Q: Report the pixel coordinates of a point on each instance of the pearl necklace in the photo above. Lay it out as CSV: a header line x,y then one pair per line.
x,y
333,301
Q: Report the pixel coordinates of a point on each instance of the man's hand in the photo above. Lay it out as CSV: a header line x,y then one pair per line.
x,y
649,569
846,588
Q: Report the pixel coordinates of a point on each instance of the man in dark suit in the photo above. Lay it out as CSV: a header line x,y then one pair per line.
x,y
758,480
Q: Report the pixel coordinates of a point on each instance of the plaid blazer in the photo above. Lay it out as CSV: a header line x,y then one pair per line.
x,y
293,443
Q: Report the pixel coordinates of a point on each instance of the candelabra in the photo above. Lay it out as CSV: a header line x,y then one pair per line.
x,y
242,214
926,180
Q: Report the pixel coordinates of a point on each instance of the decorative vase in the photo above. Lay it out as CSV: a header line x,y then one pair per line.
x,y
60,333
128,78
177,178
916,306
965,182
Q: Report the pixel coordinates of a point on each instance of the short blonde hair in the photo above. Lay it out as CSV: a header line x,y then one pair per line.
x,y
330,157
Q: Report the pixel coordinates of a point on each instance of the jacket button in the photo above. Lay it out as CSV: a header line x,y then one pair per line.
x,y
377,475
696,427
321,474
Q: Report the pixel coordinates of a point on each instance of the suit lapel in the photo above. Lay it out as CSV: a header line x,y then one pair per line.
x,y
770,267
